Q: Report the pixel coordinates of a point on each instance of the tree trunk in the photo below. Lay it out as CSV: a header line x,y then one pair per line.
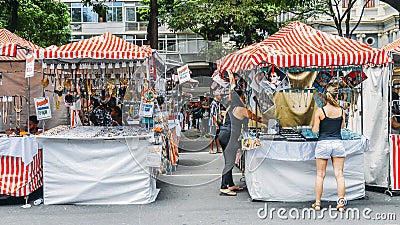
x,y
14,16
152,29
247,34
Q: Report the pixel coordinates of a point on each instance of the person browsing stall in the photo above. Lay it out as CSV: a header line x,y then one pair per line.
x,y
237,118
328,121
215,114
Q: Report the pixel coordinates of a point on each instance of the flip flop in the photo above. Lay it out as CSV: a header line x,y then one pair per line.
x,y
237,188
227,193
210,152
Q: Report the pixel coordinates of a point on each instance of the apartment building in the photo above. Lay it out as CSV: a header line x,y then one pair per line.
x,y
378,27
123,19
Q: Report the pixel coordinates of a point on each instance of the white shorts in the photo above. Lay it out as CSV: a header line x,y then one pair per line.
x,y
327,149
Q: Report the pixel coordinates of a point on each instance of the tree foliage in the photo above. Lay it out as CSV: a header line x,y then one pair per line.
x,y
43,22
249,20
341,16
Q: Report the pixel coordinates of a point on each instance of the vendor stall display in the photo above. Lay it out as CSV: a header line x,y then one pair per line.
x,y
308,64
116,101
392,144
107,85
20,154
97,165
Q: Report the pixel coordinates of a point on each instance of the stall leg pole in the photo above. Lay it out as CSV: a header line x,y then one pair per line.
x,y
28,104
390,89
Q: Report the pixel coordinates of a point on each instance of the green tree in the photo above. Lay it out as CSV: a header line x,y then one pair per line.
x,y
339,10
43,22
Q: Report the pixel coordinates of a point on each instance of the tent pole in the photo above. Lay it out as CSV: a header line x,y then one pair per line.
x,y
28,104
362,103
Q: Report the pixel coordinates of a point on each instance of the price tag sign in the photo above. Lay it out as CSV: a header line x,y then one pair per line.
x,y
146,109
153,156
183,74
30,66
42,107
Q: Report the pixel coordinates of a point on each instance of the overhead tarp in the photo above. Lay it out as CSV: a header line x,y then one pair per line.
x,y
394,47
13,47
299,45
105,46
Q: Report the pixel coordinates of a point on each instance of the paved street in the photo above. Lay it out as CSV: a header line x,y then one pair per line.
x,y
190,196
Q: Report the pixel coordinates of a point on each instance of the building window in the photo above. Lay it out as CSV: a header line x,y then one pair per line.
x,y
114,12
345,3
130,13
88,15
370,3
370,41
76,14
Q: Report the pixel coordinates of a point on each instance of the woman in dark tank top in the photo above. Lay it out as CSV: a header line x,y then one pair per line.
x,y
328,121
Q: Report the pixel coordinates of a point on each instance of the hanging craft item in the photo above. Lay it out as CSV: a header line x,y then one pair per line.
x,y
265,101
148,95
354,78
321,81
18,106
5,110
45,82
9,102
274,79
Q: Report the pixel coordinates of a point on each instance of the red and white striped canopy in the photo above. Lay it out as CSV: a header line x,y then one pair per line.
x,y
106,46
393,47
13,47
299,45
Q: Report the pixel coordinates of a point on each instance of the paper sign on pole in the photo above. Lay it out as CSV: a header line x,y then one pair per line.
x,y
183,74
42,106
30,66
146,109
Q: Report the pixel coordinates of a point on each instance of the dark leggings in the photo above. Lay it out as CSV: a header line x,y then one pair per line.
x,y
229,146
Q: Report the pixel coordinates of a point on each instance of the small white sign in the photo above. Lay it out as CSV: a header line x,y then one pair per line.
x,y
146,109
30,66
183,74
42,106
154,156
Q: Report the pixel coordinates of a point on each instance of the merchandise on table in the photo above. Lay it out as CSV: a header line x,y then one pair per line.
x,y
91,132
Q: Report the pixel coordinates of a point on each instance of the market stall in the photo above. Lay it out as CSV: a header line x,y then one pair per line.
x,y
286,75
20,156
107,154
389,165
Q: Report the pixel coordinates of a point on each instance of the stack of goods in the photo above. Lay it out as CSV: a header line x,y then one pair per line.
x,y
309,135
350,135
292,135
92,132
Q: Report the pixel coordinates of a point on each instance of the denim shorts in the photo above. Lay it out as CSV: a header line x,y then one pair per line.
x,y
327,149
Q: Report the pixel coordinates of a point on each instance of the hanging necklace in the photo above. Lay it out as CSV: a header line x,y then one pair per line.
x,y
8,108
5,110
300,93
306,98
18,110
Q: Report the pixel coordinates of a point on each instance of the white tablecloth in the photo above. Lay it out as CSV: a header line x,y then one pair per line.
x,y
24,147
285,171
97,171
